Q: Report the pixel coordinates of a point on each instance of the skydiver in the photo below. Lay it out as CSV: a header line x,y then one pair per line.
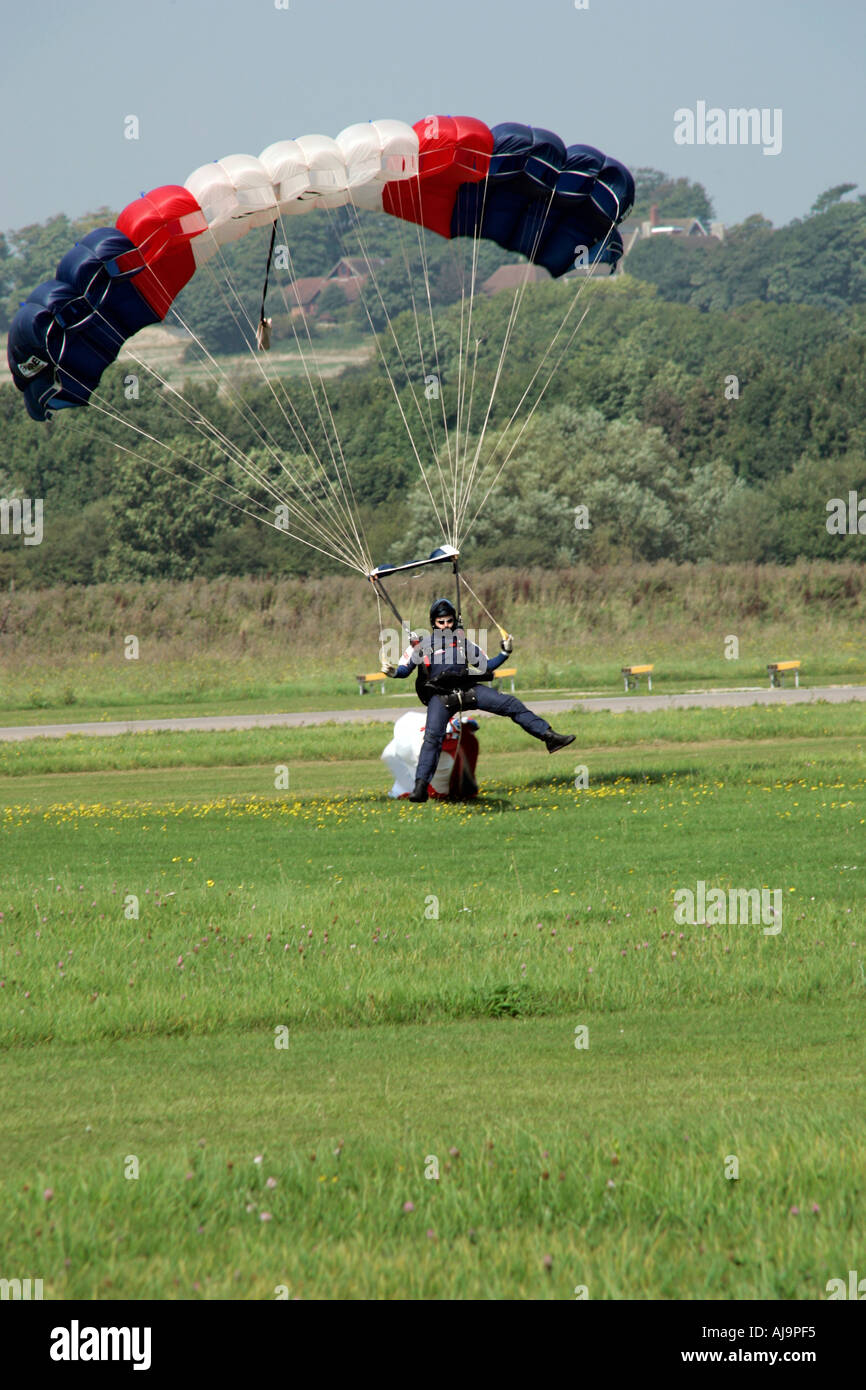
x,y
445,684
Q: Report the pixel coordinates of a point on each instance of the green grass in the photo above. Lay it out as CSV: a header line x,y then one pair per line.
x,y
645,734
410,1034
347,1123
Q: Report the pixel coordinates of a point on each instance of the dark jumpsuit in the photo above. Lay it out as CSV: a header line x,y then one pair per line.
x,y
450,651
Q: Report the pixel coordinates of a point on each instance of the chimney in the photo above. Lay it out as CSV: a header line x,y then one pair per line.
x,y
654,215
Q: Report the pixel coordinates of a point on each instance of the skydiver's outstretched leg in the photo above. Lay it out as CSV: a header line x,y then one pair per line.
x,y
495,702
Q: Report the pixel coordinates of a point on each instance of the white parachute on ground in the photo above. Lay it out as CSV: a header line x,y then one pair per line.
x,y
402,753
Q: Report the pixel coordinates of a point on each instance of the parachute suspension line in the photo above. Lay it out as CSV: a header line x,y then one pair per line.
x,y
537,402
409,381
341,523
439,387
422,252
251,419
256,516
258,427
338,518
263,332
476,459
463,354
269,380
371,272
436,393
464,359
112,414
231,451
512,320
502,631
234,454
380,630
401,410
468,420
341,470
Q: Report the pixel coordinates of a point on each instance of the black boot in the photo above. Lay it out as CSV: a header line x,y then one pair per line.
x,y
419,792
555,741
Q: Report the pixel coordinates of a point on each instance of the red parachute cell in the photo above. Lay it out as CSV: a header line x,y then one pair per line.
x,y
162,224
453,150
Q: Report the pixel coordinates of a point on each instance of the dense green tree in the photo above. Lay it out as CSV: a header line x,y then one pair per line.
x,y
831,196
673,197
818,261
34,252
163,521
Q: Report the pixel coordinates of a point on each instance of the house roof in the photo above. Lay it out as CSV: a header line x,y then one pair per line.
x,y
304,290
630,233
356,265
351,285
682,224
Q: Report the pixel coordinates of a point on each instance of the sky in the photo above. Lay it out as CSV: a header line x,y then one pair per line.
x,y
208,78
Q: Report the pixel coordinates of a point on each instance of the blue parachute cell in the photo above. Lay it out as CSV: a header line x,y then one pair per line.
x,y
547,201
72,327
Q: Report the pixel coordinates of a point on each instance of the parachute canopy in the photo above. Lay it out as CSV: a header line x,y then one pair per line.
x,y
517,185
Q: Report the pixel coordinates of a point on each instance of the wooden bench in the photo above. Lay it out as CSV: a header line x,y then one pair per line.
x,y
364,681
632,675
776,671
502,673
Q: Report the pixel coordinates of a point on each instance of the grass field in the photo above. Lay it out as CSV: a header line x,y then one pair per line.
x,y
287,1037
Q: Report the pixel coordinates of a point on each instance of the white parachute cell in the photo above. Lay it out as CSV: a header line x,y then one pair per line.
x,y
376,153
291,177
289,172
329,177
235,194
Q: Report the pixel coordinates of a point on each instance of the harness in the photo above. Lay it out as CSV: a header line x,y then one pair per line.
x,y
455,688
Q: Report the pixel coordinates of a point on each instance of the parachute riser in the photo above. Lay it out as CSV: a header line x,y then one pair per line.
x,y
456,569
379,587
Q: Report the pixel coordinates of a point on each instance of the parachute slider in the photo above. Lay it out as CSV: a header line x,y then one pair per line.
x,y
436,557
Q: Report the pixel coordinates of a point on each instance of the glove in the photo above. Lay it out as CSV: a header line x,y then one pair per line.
x,y
388,669
507,645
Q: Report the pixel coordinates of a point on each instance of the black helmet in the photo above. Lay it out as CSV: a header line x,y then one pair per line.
x,y
442,608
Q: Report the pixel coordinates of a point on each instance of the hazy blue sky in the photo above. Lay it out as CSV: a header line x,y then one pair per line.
x,y
208,78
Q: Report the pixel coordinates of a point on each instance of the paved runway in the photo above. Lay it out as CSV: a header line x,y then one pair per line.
x,y
705,699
